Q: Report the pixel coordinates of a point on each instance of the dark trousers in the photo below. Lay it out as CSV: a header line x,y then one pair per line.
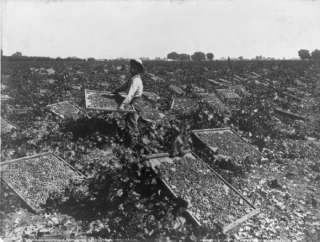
x,y
132,122
133,118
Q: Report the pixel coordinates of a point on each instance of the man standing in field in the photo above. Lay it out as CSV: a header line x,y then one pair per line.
x,y
134,88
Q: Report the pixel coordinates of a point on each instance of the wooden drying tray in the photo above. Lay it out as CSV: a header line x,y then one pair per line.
x,y
289,114
113,109
226,82
213,99
175,101
34,209
251,76
227,94
50,107
175,89
219,130
194,220
282,93
239,77
290,95
20,110
5,98
8,124
238,221
218,83
255,74
215,130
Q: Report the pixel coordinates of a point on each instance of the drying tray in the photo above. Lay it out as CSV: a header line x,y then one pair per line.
x,y
175,89
155,161
35,186
227,94
104,101
6,127
65,109
184,103
197,135
289,114
213,100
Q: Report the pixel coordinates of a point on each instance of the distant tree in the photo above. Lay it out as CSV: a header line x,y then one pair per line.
x,y
90,59
315,55
73,58
210,56
184,57
304,54
240,57
198,56
173,56
17,54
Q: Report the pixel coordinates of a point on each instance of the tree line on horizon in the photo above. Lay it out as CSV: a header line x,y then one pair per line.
x,y
196,56
305,54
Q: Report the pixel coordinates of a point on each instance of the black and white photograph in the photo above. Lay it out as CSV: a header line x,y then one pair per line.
x,y
160,120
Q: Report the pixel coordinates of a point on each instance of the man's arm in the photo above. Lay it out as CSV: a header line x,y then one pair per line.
x,y
132,91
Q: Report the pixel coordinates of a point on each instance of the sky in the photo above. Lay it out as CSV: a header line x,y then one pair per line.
x,y
131,29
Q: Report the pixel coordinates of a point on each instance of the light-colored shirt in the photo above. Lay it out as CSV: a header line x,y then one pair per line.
x,y
135,90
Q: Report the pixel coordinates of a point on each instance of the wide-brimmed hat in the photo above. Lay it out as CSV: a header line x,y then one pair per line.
x,y
138,64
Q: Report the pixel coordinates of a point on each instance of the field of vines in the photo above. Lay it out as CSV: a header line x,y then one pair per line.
x,y
121,197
